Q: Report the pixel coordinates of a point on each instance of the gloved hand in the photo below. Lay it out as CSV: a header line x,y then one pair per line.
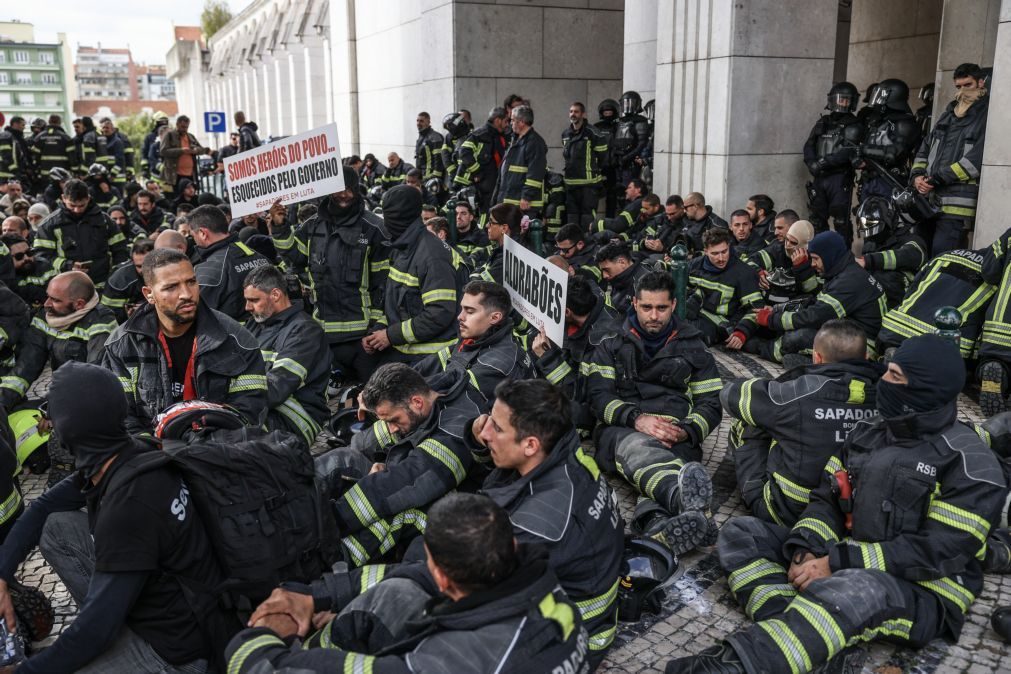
x,y
763,316
816,166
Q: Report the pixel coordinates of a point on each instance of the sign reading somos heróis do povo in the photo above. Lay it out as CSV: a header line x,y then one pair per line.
x,y
290,170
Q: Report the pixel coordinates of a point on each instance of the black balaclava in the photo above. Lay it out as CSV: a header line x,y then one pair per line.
x,y
936,374
340,215
401,208
88,409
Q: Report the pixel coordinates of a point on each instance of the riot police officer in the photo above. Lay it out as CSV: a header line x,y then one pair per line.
x,y
925,113
631,136
892,254
828,153
892,137
608,126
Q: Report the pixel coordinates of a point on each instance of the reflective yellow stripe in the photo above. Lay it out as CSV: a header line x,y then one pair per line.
x,y
759,568
595,606
238,658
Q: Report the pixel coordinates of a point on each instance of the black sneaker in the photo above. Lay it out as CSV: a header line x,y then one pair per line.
x,y
695,489
998,552
718,659
681,533
992,388
712,535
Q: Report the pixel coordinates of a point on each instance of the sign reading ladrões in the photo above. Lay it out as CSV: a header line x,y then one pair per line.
x,y
537,289
289,170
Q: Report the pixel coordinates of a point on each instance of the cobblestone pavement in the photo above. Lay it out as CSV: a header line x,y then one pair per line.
x,y
699,609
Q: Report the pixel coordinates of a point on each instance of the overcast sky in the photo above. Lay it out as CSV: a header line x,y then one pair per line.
x,y
146,27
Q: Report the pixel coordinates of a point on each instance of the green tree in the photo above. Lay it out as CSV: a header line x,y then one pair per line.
x,y
136,127
215,15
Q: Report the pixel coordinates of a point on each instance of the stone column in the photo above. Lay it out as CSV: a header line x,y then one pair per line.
x,y
738,89
639,63
995,174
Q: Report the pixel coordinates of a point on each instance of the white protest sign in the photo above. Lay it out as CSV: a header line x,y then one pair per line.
x,y
289,170
537,289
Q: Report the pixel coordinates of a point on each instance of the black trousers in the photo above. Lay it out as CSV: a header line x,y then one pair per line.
x,y
581,204
831,196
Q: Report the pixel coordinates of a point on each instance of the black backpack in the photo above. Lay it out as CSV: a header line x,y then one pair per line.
x,y
256,493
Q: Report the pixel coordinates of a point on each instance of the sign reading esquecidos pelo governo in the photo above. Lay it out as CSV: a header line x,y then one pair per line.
x,y
290,170
537,289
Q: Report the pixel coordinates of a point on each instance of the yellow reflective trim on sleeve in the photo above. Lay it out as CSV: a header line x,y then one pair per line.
x,y
818,527
438,295
705,386
441,452
959,518
238,659
247,382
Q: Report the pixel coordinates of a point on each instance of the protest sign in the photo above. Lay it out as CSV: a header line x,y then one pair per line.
x,y
537,289
289,170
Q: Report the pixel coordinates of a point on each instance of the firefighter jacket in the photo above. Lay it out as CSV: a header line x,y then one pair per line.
x,y
755,242
122,290
151,223
480,155
725,297
428,154
298,369
625,224
394,175
523,170
90,238
585,262
621,289
926,490
15,317
448,154
421,468
493,267
422,294
659,227
952,155
346,261
894,262
785,429
849,292
996,271
524,624
15,156
584,153
42,345
566,505
490,359
222,268
32,281
228,368
473,244
679,382
53,148
566,366
954,278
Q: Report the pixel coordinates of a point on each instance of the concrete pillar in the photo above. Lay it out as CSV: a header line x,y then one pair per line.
x,y
328,81
267,100
738,90
639,62
277,95
292,128
310,119
344,74
894,39
995,174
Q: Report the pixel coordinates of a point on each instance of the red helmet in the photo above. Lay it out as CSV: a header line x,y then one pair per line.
x,y
196,415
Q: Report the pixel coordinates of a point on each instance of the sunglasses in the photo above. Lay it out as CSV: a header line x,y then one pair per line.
x,y
20,256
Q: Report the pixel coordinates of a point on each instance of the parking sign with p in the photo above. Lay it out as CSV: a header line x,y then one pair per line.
x,y
215,122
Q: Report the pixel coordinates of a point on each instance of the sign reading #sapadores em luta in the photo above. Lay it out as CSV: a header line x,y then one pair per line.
x,y
537,289
290,170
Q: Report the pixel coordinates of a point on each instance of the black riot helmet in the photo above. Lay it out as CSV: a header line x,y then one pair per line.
x,y
869,93
650,109
926,95
456,125
608,104
875,217
892,94
842,97
631,103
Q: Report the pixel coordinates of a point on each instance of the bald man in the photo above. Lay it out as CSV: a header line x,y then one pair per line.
x,y
170,238
71,325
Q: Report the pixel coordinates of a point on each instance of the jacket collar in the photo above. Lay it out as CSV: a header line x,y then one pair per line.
x,y
210,333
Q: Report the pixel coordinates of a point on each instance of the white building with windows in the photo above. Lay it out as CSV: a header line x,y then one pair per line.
x,y
35,78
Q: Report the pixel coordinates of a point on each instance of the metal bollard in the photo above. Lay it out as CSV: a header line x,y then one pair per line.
x,y
679,272
536,231
948,321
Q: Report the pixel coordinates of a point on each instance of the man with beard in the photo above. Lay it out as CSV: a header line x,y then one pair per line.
x,y
655,389
342,249
148,215
177,348
486,350
290,343
32,275
71,325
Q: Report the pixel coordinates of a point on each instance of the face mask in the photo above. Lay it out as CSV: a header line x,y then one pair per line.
x,y
891,399
965,98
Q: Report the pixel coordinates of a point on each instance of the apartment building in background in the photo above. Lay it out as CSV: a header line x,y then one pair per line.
x,y
36,79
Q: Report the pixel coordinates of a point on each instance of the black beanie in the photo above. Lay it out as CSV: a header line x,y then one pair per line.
x,y
88,409
829,246
935,370
401,208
